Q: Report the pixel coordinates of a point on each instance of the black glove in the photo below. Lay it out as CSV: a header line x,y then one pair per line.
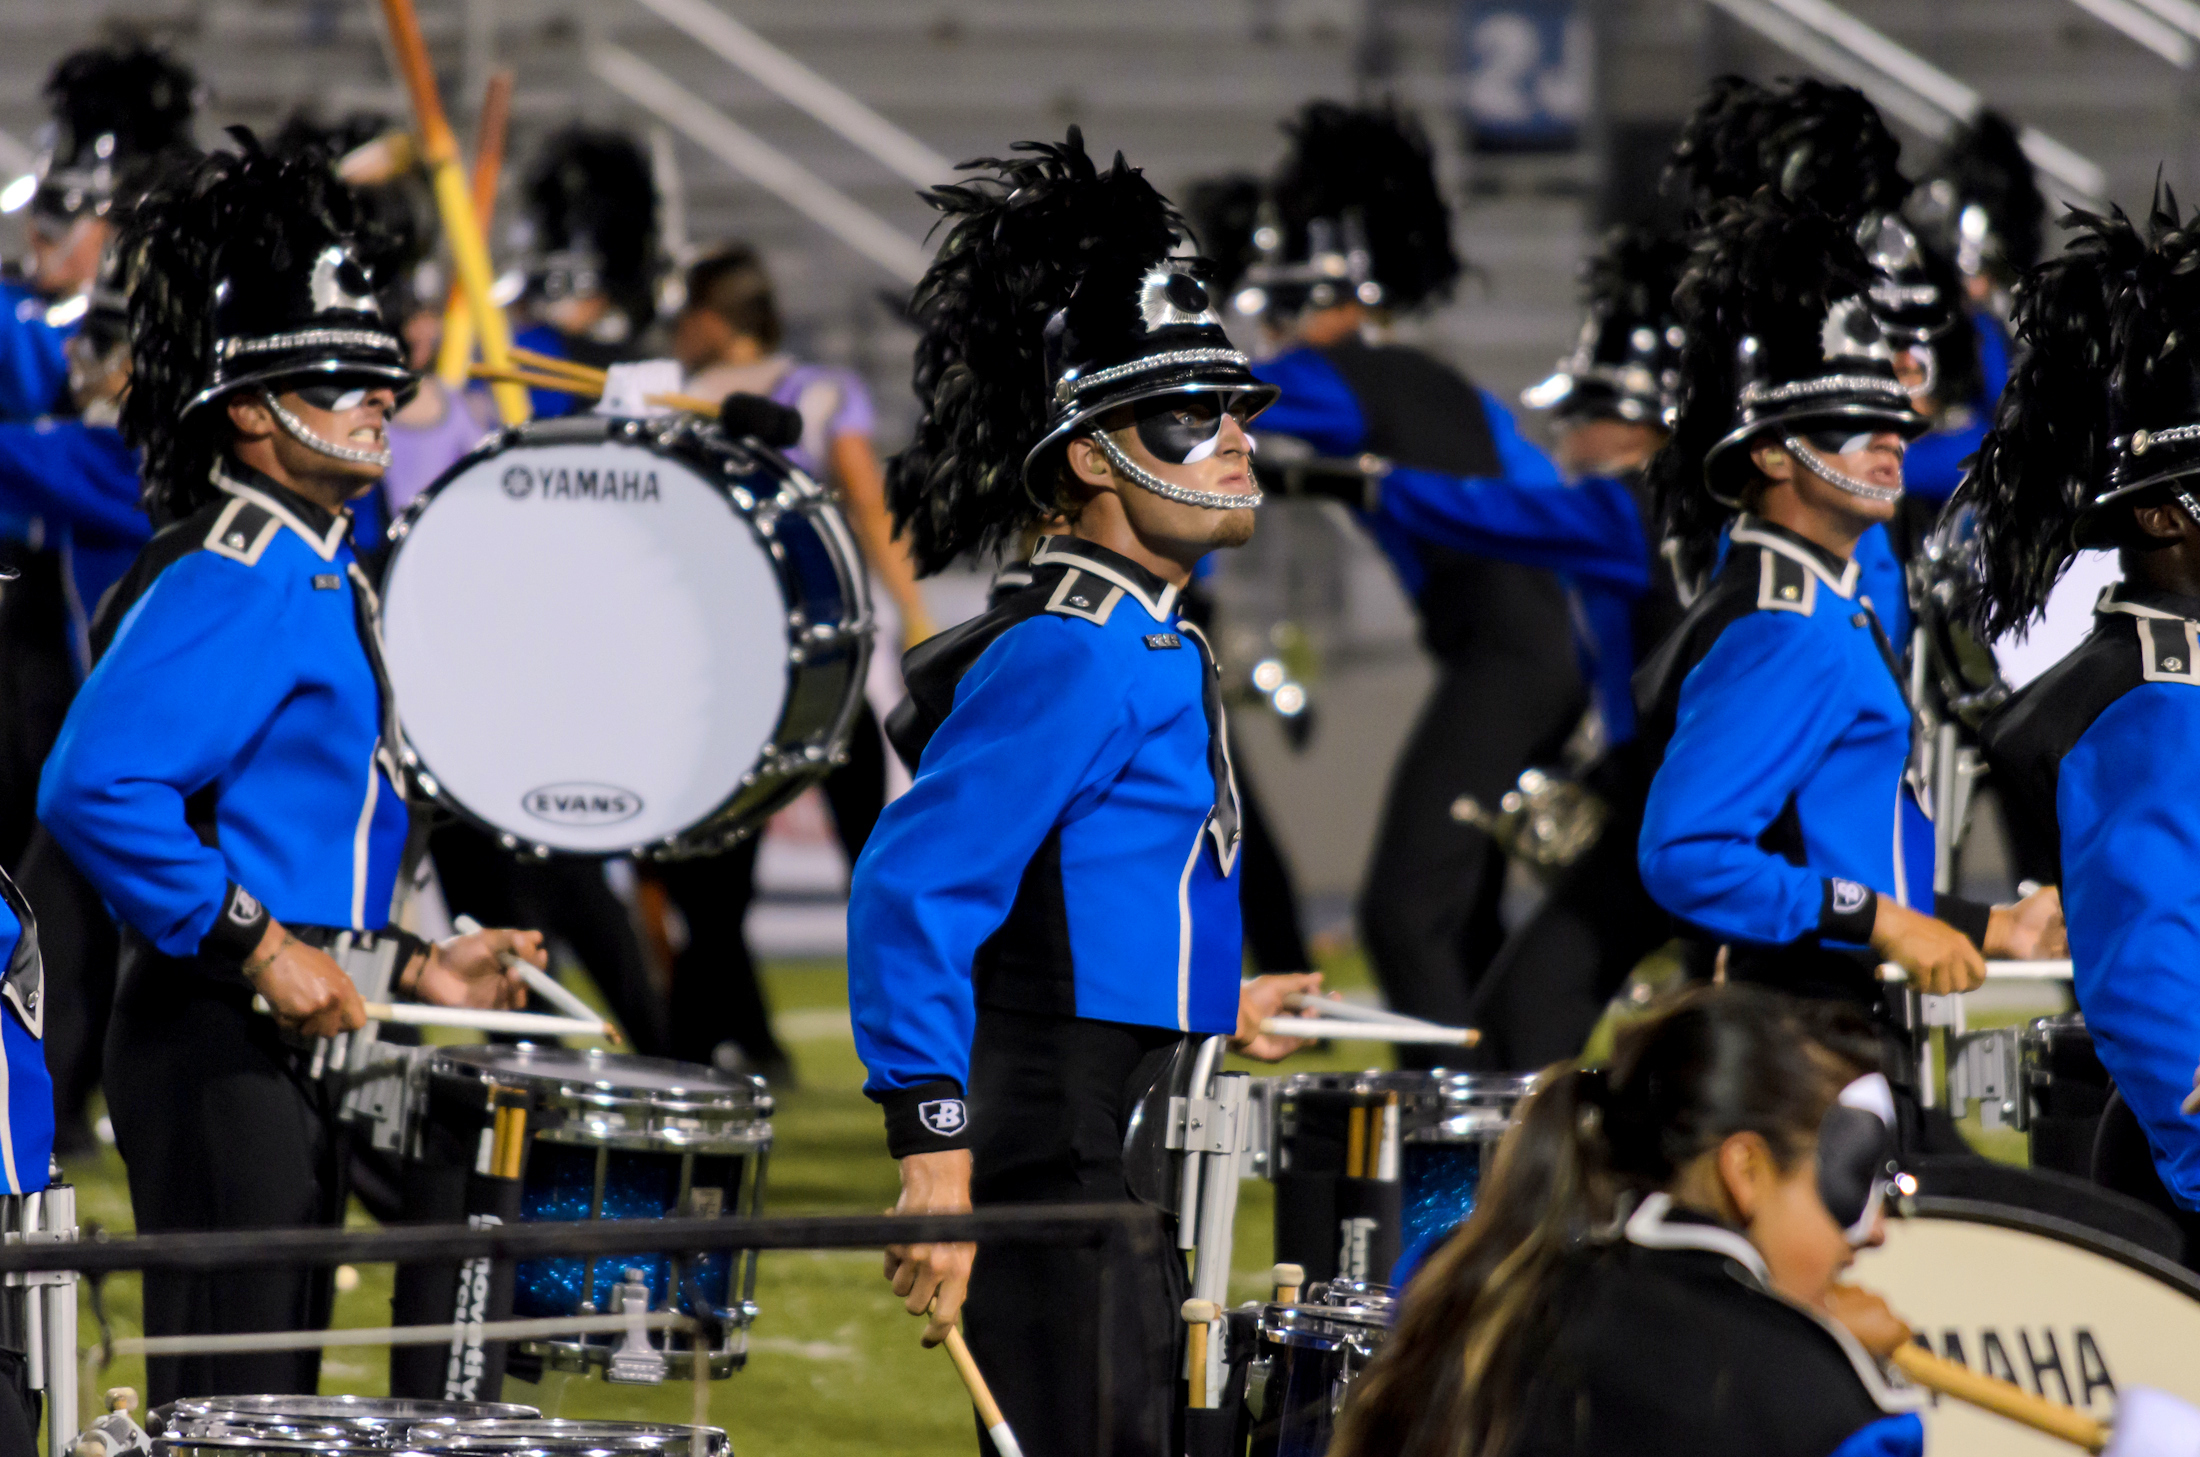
x,y
1357,480
765,421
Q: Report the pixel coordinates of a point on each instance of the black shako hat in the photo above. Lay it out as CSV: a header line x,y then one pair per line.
x,y
1626,364
591,219
1982,203
116,109
1057,295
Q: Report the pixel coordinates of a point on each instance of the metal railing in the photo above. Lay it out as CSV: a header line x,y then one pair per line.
x,y
2169,28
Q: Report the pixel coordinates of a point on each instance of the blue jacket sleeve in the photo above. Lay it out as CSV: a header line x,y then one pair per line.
x,y
1041,724
33,368
2128,803
1589,530
1517,456
1933,466
75,474
1316,404
1902,1435
1755,717
197,668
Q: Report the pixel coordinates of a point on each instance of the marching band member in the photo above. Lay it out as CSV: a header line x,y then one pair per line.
x,y
1048,919
228,776
2093,446
1651,1267
590,238
1361,235
1776,707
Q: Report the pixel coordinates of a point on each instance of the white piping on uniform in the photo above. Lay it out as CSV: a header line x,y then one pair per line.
x,y
7,1127
360,839
1745,530
1184,933
324,546
1158,610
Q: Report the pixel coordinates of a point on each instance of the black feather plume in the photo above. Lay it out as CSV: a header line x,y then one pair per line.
x,y
1635,272
1770,268
592,188
1018,244
1985,164
1224,214
2099,330
1375,160
143,97
227,215
1826,145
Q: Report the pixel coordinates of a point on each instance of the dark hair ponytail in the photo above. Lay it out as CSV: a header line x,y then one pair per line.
x,y
1480,1317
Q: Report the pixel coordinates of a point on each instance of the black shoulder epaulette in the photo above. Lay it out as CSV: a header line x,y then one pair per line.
x,y
1081,594
1785,584
242,531
934,668
23,982
2168,652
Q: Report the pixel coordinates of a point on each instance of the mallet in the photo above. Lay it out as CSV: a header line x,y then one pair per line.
x,y
1200,1315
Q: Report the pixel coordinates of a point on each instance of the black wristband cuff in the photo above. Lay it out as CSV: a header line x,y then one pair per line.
x,y
1847,911
238,926
408,946
928,1118
1969,917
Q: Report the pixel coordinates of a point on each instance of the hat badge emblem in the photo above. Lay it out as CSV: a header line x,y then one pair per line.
x,y
2140,440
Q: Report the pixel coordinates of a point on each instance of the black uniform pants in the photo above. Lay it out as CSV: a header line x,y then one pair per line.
x,y
716,996
1429,910
220,1130
1050,1099
37,680
78,942
1547,989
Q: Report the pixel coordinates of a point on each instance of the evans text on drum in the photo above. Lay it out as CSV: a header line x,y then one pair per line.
x,y
2063,1310
611,1136
613,636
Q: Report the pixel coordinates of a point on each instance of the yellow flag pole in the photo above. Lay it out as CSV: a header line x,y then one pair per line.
x,y
457,350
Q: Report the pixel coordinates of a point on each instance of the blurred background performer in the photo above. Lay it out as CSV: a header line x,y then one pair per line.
x,y
228,776
1047,921
727,338
589,240
2094,446
1777,708
1362,236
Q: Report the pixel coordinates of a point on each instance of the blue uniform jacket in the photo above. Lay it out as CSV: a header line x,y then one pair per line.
x,y
34,372
1069,844
26,1090
232,734
1785,732
548,404
82,482
2104,741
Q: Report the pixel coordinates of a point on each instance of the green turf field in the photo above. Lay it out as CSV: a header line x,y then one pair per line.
x,y
834,1362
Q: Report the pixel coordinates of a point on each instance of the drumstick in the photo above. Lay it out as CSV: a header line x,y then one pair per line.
x,y
475,1019
1996,971
1287,1279
981,1395
454,201
1353,1011
1199,1315
692,404
2003,1398
1315,1028
457,347
541,981
551,364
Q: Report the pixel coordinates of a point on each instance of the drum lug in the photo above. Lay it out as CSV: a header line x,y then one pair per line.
x,y
635,1361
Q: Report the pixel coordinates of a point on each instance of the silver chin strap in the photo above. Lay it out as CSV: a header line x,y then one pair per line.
x,y
1182,495
1834,476
2192,507
299,431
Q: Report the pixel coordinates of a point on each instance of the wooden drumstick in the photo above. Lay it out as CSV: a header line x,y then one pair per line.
x,y
1200,1315
542,982
981,1395
1287,1279
2003,1398
457,347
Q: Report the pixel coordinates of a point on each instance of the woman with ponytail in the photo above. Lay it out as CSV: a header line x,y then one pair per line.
x,y
1652,1266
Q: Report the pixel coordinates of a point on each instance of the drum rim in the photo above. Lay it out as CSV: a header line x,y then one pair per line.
x,y
2049,1226
743,1098
709,833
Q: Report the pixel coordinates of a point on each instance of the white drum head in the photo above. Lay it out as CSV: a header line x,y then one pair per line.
x,y
587,642
2068,619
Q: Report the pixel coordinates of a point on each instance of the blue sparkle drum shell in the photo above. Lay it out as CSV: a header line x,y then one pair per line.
x,y
611,1136
1309,1357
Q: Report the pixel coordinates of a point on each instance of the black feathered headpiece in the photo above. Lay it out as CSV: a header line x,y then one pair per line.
x,y
1983,201
591,225
1626,365
250,269
400,212
1227,215
1780,340
1054,299
1825,145
115,110
1357,215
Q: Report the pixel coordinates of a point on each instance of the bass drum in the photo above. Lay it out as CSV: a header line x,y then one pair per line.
x,y
623,636
2064,1311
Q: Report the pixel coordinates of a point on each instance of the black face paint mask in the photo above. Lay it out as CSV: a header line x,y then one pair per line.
x,y
1180,429
1843,442
1855,1155
332,397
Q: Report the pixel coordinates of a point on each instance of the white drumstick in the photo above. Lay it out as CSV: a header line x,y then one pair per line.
x,y
1353,1012
1320,1027
477,1019
542,981
1997,971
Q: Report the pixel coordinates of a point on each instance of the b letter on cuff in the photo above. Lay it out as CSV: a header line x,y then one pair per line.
x,y
929,1118
1847,912
238,926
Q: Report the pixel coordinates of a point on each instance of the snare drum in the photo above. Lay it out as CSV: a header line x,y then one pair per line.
x,y
1308,1357
619,1137
612,636
1370,1167
555,1438
345,1421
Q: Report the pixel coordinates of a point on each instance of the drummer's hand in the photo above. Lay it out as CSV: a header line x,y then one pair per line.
x,y
932,1279
1263,997
308,991
469,971
1939,958
2192,1099
1876,1328
2030,930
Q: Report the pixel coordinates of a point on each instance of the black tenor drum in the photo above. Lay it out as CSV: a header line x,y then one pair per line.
x,y
623,636
1308,1357
2065,1089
